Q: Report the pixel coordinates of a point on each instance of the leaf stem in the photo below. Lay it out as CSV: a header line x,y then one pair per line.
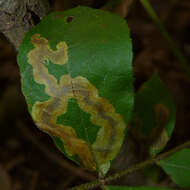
x,y
101,179
104,187
172,45
138,166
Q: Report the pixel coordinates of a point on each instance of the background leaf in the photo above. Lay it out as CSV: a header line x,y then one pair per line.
x,y
178,167
137,188
154,115
77,79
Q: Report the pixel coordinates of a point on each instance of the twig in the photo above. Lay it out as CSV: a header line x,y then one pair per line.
x,y
104,187
128,171
173,46
102,182
17,17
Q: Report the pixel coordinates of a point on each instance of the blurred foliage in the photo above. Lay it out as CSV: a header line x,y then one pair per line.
x,y
151,54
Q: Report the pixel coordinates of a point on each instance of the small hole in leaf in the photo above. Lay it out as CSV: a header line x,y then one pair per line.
x,y
70,19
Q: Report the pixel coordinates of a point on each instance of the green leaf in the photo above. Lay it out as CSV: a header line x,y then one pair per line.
x,y
178,167
154,115
137,188
76,71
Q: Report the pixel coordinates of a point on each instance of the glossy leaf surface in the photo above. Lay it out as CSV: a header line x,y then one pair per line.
x,y
177,167
154,115
77,79
137,188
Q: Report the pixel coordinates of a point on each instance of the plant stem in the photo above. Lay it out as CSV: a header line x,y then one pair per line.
x,y
139,166
104,187
173,46
101,180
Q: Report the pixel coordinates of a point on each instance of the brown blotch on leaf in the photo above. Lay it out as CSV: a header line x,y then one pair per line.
x,y
161,141
162,113
37,40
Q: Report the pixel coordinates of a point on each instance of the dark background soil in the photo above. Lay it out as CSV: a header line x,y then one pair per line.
x,y
28,158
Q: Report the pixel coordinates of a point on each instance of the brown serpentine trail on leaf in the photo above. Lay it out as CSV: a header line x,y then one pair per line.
x,y
112,125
